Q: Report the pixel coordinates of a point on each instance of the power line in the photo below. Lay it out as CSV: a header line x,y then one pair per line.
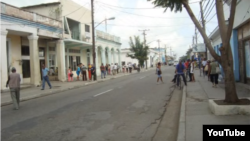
x,y
246,13
149,26
135,8
207,5
210,8
145,15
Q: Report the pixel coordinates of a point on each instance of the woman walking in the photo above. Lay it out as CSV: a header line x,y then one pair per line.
x,y
70,75
158,72
109,69
213,73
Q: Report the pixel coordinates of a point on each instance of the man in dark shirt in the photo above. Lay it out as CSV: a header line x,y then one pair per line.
x,y
102,68
180,69
93,71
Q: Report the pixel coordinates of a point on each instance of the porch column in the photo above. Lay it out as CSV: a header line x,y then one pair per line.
x,y
114,57
4,67
67,59
119,57
34,60
109,56
60,53
103,57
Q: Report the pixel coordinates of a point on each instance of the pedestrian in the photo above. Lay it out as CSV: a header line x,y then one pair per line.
x,y
115,69
159,72
118,68
180,69
213,74
102,68
206,69
192,67
93,69
70,75
45,77
138,68
127,67
89,70
14,85
84,72
130,68
187,66
106,69
208,73
109,69
204,63
78,71
123,68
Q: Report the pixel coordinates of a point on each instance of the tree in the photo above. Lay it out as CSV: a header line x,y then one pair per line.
x,y
140,52
226,59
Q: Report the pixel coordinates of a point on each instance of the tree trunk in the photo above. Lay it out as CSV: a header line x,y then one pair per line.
x,y
230,88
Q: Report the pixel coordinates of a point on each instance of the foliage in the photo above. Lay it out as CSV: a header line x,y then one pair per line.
x,y
140,52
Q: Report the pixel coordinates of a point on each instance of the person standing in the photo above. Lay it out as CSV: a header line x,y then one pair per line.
x,y
187,66
213,73
84,71
14,84
115,69
45,77
180,69
118,68
70,75
102,68
123,68
192,66
158,71
204,63
93,71
89,70
107,69
78,71
130,68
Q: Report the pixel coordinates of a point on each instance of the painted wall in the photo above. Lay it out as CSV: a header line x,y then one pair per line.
x,y
241,14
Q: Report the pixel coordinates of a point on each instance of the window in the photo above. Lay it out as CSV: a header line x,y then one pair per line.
x,y
26,68
41,52
74,61
25,51
87,28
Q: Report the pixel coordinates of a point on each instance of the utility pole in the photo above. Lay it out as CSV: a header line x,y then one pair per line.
x,y
203,25
144,34
159,49
93,36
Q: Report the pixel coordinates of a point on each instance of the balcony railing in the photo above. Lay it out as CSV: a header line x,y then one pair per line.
x,y
75,35
34,17
107,36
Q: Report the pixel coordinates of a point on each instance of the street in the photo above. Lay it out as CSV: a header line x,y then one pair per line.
x,y
128,108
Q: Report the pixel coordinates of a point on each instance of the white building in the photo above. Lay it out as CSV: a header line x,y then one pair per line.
x,y
153,57
25,37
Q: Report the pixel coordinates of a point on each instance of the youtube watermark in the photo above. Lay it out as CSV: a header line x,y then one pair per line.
x,y
221,132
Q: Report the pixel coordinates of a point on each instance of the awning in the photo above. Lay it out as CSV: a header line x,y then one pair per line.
x,y
71,43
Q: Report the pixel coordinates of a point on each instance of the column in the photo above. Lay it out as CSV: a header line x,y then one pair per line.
x,y
35,75
4,67
103,57
119,57
109,56
114,56
67,59
60,54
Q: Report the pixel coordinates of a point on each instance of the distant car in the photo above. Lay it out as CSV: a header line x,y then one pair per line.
x,y
170,63
175,63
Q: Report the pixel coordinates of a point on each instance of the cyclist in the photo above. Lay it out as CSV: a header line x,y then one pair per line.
x,y
180,69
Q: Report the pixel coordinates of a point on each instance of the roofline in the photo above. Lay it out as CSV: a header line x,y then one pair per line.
x,y
41,4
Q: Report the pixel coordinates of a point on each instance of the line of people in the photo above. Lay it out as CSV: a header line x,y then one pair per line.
x,y
211,70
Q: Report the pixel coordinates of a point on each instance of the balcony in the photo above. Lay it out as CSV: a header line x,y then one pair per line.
x,y
12,11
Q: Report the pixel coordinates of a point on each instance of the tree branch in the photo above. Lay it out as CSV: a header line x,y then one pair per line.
x,y
231,22
203,34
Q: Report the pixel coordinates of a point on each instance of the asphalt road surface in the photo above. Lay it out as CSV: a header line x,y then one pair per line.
x,y
128,108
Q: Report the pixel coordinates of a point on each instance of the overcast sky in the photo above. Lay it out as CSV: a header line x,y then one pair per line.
x,y
172,29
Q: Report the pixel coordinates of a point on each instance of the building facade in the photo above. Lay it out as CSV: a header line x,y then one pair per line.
x,y
239,41
24,38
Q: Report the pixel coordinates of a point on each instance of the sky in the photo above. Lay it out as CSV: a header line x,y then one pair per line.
x,y
173,30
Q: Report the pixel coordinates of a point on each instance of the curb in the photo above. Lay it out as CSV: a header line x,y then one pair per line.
x,y
57,91
182,120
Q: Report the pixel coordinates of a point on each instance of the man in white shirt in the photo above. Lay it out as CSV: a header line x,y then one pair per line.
x,y
115,69
204,63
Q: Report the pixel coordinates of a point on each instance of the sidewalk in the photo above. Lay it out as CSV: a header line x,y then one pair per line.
x,y
196,112
27,92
